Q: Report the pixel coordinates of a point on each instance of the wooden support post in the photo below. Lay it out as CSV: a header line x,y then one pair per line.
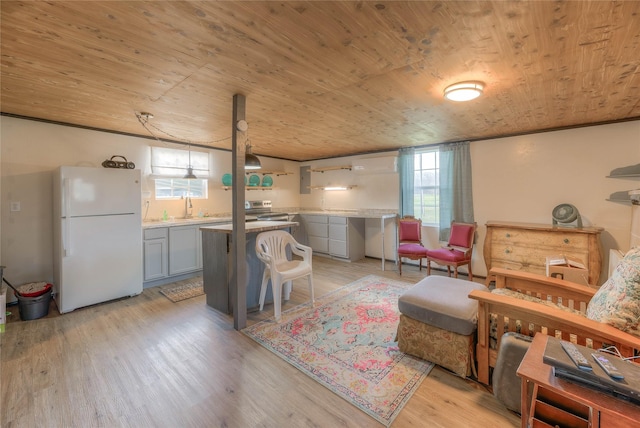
x,y
238,234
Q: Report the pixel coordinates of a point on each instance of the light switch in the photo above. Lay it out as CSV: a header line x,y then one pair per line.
x,y
15,206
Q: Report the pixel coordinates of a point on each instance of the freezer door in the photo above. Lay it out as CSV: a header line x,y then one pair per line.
x,y
101,260
99,191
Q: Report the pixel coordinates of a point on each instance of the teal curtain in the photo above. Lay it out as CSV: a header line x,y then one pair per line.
x,y
406,163
456,195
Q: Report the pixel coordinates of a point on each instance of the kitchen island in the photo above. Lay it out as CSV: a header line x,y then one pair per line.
x,y
218,279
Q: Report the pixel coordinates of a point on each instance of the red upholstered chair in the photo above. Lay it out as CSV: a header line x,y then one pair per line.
x,y
458,251
410,240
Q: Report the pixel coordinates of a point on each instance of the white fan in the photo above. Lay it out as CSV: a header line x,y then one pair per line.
x,y
566,213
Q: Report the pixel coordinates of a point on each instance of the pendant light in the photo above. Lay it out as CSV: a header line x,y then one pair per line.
x,y
190,175
251,161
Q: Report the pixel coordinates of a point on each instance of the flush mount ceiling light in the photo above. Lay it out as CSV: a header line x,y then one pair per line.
x,y
463,91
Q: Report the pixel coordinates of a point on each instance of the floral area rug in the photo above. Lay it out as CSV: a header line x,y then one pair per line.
x,y
346,342
177,293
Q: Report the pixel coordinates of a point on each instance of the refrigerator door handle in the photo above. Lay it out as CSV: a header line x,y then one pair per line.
x,y
66,197
65,216
66,250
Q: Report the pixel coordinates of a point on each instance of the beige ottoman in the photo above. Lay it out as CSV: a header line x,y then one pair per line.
x,y
438,322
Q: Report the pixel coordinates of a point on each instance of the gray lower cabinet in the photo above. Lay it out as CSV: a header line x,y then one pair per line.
x,y
338,237
172,253
185,253
156,254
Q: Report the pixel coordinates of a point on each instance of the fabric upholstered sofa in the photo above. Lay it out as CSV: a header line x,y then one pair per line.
x,y
529,303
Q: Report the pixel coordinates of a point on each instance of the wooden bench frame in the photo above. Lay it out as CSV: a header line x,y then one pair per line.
x,y
536,317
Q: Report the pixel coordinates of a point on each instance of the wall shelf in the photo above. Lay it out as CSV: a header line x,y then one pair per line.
x,y
276,173
251,187
331,168
330,188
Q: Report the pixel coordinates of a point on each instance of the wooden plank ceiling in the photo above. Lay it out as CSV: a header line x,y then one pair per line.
x,y
322,79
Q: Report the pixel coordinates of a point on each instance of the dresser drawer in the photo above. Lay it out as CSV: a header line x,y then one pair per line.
x,y
526,254
560,239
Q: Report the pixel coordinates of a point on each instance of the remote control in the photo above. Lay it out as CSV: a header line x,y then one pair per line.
x,y
576,356
606,365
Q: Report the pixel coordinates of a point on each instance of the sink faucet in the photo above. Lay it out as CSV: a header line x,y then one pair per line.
x,y
187,207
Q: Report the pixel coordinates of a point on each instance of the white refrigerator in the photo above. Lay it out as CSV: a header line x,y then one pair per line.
x,y
97,235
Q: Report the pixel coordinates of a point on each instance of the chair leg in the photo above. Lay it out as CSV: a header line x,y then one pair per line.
x,y
310,279
400,265
276,283
455,272
263,287
470,273
428,267
287,290
449,271
420,264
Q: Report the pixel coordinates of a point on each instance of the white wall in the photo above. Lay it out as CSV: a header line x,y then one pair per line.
x,y
515,179
32,150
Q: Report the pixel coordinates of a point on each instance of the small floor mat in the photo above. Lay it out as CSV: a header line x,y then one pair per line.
x,y
177,293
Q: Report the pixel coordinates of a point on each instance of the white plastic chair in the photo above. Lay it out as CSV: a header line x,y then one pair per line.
x,y
271,248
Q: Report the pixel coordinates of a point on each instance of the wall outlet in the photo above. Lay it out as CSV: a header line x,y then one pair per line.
x,y
15,206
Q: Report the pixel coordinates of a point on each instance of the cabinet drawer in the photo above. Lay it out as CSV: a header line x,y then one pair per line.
x,y
318,229
338,220
338,248
338,231
320,245
157,233
316,219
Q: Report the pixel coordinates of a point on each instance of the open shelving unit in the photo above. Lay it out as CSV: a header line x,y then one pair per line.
x,y
628,172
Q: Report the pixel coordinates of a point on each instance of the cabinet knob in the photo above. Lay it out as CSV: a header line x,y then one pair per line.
x,y
508,235
507,251
566,240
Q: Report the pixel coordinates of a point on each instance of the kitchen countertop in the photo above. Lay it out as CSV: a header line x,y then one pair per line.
x,y
251,227
350,213
226,218
185,222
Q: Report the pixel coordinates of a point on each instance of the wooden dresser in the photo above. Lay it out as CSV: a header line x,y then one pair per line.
x,y
525,246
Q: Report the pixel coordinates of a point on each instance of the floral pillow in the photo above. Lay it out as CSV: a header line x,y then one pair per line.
x,y
617,303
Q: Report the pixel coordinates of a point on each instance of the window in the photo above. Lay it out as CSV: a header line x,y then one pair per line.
x,y
176,188
168,166
426,186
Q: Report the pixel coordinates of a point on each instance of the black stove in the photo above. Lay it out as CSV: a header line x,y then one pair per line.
x,y
261,210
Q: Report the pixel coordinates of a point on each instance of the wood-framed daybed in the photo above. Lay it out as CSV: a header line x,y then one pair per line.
x,y
528,317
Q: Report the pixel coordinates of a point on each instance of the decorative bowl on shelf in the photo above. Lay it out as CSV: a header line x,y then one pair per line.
x,y
254,180
227,180
267,181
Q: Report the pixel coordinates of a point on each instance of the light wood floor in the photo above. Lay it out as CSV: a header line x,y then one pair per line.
x,y
148,362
